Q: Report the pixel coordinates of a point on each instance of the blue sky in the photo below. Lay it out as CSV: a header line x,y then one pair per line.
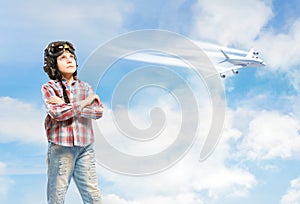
x,y
257,158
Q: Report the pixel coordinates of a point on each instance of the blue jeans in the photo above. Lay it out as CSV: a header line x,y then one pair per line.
x,y
78,163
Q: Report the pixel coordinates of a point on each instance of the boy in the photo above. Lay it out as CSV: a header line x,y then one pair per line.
x,y
71,106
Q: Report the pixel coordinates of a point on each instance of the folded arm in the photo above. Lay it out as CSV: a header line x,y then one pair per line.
x,y
90,107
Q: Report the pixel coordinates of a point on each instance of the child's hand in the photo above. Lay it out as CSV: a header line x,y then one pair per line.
x,y
55,100
89,100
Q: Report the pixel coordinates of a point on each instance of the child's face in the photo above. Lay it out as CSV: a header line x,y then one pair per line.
x,y
66,64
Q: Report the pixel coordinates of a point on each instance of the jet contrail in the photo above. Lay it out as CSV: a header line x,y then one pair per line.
x,y
212,50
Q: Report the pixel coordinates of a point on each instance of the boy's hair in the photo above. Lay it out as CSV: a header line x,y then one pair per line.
x,y
51,52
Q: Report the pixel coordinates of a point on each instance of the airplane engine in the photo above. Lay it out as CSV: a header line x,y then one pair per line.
x,y
222,75
235,71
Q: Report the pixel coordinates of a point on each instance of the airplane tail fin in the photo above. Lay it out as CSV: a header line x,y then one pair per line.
x,y
226,56
252,54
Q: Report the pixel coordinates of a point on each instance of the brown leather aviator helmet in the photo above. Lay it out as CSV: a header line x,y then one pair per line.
x,y
52,51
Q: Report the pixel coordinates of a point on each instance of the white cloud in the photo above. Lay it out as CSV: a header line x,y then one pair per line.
x,y
82,17
188,198
21,121
293,194
271,135
223,180
87,25
281,50
210,180
188,181
230,23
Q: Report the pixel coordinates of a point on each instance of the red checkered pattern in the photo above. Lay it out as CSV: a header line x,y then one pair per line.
x,y
66,124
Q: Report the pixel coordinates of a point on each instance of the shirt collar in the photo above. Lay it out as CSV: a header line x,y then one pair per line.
x,y
66,83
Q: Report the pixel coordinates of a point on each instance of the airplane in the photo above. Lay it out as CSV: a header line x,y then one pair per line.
x,y
250,60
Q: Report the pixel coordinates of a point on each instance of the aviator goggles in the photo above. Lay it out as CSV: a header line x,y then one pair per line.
x,y
57,48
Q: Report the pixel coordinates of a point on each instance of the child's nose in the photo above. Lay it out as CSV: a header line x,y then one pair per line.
x,y
69,59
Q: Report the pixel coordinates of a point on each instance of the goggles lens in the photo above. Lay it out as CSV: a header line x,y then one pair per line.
x,y
57,48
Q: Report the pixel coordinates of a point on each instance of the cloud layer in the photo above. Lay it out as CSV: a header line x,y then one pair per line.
x,y
21,121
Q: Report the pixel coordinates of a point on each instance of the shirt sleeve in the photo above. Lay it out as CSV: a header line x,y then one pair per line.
x,y
93,111
59,112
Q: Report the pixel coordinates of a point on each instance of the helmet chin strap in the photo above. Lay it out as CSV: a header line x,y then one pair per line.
x,y
52,71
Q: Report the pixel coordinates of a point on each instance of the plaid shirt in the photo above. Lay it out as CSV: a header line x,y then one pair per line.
x,y
66,124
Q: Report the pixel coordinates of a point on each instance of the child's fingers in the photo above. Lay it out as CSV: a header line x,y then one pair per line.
x,y
55,100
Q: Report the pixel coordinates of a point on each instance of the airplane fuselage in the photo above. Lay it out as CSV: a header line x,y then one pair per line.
x,y
246,62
